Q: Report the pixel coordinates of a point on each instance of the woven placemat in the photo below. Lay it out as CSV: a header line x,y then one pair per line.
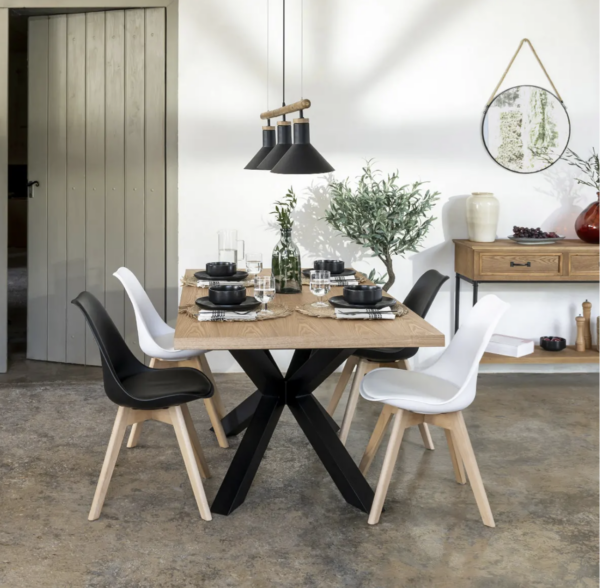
x,y
278,311
329,311
193,282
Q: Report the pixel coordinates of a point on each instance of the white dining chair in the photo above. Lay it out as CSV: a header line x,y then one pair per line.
x,y
436,395
156,340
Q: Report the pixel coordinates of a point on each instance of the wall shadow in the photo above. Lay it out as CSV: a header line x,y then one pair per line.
x,y
561,185
315,235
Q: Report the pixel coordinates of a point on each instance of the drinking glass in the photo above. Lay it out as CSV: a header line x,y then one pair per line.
x,y
320,284
264,291
254,263
230,247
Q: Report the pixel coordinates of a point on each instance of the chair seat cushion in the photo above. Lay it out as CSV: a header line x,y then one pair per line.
x,y
159,388
414,391
385,355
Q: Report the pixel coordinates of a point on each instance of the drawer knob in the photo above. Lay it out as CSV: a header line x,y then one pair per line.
x,y
514,264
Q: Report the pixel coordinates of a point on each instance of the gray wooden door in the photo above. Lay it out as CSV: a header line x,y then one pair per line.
x,y
97,147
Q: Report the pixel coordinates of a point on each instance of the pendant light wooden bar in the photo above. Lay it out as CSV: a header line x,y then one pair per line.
x,y
295,107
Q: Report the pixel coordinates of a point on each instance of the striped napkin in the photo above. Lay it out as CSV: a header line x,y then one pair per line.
x,y
208,283
343,281
225,315
364,313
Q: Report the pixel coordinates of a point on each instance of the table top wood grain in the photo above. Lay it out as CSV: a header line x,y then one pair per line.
x,y
299,331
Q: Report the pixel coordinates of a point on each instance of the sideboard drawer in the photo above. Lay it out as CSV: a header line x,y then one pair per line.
x,y
499,265
583,265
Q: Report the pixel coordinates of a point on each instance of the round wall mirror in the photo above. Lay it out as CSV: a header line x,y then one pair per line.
x,y
526,129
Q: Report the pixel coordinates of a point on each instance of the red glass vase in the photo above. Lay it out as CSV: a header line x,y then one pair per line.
x,y
587,222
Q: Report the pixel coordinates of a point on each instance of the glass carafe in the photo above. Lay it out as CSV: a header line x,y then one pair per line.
x,y
230,248
285,265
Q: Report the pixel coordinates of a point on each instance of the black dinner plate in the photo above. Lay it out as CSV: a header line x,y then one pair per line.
x,y
346,272
339,302
249,304
237,277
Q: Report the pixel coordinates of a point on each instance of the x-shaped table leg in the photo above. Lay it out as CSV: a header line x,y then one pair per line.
x,y
307,371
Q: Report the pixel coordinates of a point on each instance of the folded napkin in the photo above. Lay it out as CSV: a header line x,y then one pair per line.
x,y
208,283
364,313
343,281
225,315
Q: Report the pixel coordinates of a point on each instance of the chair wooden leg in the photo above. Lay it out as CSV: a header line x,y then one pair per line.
x,y
404,364
465,450
376,438
362,368
426,436
134,436
213,415
200,459
205,368
187,451
391,455
342,383
457,463
112,452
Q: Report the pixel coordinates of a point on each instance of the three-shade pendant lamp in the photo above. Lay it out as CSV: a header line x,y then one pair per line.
x,y
286,156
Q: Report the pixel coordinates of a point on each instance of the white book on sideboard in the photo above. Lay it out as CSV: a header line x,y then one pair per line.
x,y
510,346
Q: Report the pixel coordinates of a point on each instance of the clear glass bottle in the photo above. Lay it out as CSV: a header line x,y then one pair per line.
x,y
286,265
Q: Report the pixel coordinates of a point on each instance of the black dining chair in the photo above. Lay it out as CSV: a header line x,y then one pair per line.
x,y
419,300
143,394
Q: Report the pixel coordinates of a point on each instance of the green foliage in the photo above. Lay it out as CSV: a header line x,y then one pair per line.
x,y
542,134
380,215
590,167
284,208
374,277
510,151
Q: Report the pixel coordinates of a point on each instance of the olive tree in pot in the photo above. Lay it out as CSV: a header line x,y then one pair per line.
x,y
381,216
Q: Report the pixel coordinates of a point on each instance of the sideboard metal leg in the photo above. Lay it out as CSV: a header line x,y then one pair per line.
x,y
475,292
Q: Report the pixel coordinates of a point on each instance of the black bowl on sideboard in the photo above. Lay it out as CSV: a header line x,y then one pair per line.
x,y
333,266
221,268
553,343
227,294
362,294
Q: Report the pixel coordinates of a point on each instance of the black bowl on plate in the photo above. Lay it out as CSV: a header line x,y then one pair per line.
x,y
553,343
227,294
218,269
362,294
333,266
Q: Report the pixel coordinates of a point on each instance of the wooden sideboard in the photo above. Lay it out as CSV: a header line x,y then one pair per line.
x,y
566,261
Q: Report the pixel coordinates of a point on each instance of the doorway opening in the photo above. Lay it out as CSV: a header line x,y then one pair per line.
x,y
17,187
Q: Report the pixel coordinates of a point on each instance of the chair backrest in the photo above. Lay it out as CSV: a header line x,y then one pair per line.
x,y
118,362
460,361
149,323
423,293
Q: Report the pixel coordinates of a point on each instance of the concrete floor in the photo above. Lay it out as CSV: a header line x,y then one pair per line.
x,y
536,439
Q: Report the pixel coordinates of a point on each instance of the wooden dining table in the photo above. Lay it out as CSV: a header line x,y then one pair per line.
x,y
320,346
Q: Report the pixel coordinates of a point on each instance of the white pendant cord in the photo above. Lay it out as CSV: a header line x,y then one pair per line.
x,y
301,49
267,54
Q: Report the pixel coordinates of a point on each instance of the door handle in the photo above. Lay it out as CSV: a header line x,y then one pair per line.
x,y
30,188
513,264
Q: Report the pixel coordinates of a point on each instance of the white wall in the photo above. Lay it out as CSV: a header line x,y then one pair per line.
x,y
404,83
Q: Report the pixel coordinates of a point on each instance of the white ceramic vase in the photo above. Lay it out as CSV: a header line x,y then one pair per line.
x,y
482,217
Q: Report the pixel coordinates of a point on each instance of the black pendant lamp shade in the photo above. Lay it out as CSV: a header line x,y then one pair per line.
x,y
284,142
268,134
302,157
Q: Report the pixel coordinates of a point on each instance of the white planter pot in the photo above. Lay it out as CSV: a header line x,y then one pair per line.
x,y
482,217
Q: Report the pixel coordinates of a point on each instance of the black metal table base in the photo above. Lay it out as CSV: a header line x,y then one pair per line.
x,y
260,414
